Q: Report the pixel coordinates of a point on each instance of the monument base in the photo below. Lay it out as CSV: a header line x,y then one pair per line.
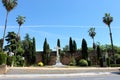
x,y
58,65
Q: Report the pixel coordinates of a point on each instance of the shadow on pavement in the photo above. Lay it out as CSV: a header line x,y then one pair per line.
x,y
118,73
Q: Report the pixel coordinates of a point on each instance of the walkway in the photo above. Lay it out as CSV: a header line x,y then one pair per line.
x,y
55,70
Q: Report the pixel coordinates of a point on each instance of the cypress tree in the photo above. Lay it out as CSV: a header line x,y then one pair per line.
x,y
58,44
34,50
46,51
74,46
84,49
70,46
29,49
45,46
98,52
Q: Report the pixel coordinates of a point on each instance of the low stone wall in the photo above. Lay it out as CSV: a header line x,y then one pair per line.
x,y
3,69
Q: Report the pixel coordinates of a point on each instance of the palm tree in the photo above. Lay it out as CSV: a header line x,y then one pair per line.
x,y
20,20
92,34
107,19
9,5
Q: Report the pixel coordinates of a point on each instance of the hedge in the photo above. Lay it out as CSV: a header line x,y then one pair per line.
x,y
3,58
115,65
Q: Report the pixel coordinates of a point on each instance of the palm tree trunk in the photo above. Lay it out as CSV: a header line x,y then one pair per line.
x,y
94,47
18,38
112,44
18,35
93,43
5,29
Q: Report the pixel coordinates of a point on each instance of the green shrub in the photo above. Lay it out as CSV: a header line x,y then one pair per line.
x,y
89,62
118,61
115,65
83,62
3,58
72,62
10,60
40,64
19,61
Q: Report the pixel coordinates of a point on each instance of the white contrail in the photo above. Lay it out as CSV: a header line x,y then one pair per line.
x,y
60,26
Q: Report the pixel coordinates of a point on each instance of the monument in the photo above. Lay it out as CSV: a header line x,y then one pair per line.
x,y
58,63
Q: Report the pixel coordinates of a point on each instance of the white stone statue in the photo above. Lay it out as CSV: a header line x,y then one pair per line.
x,y
58,63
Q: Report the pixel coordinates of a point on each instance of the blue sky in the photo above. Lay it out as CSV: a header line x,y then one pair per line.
x,y
63,19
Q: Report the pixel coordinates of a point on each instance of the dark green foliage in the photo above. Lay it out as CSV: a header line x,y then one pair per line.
x,y
118,61
107,19
83,62
117,57
92,32
20,51
89,62
46,47
98,52
3,58
11,42
74,45
70,45
72,62
84,49
101,62
108,62
9,4
34,51
115,65
10,60
46,53
66,48
29,50
20,61
20,20
58,44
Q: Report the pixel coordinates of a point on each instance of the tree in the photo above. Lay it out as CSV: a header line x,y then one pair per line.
x,y
92,34
34,50
74,45
20,20
98,52
107,19
84,49
66,48
9,5
28,49
70,45
11,42
58,44
46,52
